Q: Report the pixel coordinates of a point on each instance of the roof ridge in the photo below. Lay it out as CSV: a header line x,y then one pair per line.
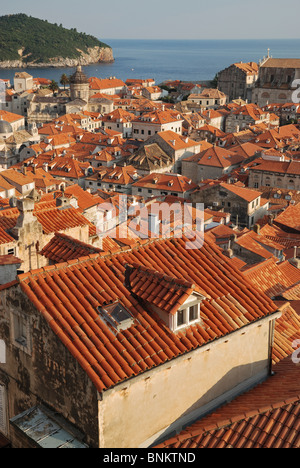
x,y
155,273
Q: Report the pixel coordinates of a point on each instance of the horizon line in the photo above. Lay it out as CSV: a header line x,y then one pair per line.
x,y
199,39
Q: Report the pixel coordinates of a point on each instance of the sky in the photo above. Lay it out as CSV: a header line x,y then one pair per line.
x,y
169,19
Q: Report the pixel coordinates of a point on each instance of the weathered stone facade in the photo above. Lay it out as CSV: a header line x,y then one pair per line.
x,y
237,81
275,82
243,211
40,369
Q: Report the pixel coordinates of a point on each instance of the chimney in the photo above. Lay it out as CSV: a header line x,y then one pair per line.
x,y
228,252
256,228
295,261
9,266
153,224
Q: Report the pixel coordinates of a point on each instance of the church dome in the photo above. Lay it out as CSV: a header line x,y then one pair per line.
x,y
79,77
5,127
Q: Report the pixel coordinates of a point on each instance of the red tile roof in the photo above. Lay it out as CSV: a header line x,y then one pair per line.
x,y
271,279
51,218
163,291
62,248
265,417
290,218
169,182
216,156
257,244
245,193
71,293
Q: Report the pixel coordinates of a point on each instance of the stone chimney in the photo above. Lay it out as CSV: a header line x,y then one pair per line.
x,y
228,252
256,228
295,261
9,266
27,231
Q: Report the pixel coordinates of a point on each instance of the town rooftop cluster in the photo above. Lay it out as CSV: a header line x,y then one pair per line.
x,y
123,326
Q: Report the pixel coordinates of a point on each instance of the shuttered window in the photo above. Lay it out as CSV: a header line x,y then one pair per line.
x,y
3,425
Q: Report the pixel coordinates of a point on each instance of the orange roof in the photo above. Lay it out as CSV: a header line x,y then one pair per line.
x,y
118,115
217,157
105,83
257,244
145,283
85,286
176,141
66,166
285,167
281,63
290,218
265,417
269,278
250,68
245,193
62,248
84,199
9,116
12,175
159,117
120,175
168,182
275,233
51,218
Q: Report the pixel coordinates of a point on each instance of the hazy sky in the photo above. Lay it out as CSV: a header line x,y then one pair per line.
x,y
169,19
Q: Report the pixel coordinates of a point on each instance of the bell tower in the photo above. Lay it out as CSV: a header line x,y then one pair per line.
x,y
79,85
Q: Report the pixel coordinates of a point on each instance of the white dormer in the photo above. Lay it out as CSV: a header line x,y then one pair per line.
x,y
188,314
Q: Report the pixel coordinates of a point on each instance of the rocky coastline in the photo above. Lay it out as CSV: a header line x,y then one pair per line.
x,y
92,56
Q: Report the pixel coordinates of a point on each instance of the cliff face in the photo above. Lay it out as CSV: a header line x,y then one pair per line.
x,y
93,56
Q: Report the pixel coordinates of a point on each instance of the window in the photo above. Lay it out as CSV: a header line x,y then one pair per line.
x,y
20,331
180,318
117,316
193,313
11,252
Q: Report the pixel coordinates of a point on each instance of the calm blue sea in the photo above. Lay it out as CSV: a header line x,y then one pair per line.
x,y
187,60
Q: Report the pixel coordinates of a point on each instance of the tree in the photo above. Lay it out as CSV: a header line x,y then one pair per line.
x,y
53,86
64,80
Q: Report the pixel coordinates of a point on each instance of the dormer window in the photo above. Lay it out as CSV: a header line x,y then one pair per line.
x,y
181,306
188,314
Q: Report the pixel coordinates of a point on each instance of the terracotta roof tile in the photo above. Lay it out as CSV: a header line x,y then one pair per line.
x,y
248,422
76,290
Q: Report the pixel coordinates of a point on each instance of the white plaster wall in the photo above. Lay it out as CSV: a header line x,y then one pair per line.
x,y
135,413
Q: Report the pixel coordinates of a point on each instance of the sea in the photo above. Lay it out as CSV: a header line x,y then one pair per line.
x,y
185,60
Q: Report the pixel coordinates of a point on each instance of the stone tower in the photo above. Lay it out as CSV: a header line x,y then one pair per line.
x,y
79,85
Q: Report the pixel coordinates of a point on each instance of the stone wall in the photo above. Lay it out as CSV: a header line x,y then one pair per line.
x,y
43,370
